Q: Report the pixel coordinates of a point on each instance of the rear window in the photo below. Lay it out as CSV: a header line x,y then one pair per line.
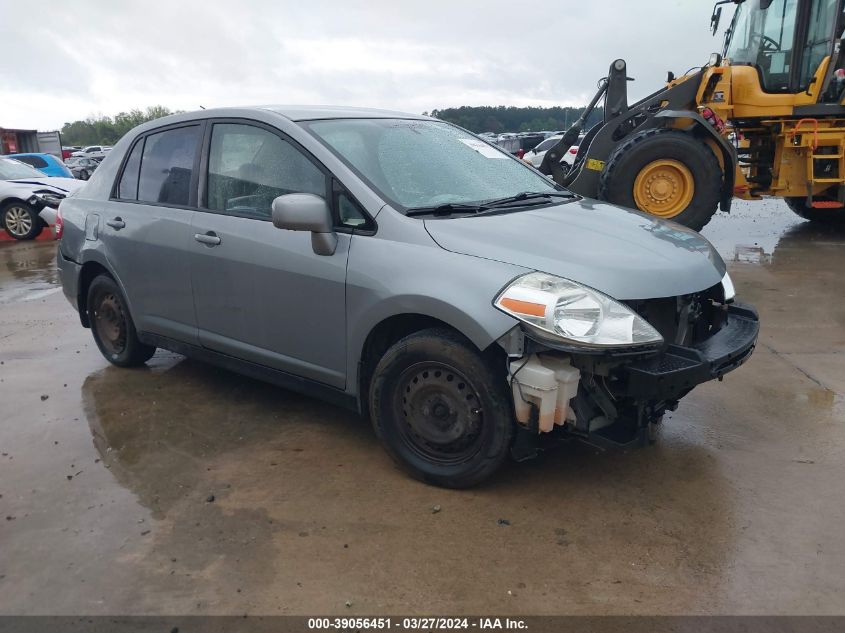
x,y
35,161
167,166
542,147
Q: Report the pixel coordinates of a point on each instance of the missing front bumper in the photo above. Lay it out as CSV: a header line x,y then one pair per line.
x,y
678,369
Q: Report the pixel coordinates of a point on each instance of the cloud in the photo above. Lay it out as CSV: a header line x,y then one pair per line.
x,y
76,59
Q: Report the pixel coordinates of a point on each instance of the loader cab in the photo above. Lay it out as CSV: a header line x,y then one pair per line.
x,y
786,41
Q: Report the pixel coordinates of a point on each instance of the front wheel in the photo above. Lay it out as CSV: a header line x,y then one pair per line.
x,y
440,409
21,221
112,325
667,173
830,214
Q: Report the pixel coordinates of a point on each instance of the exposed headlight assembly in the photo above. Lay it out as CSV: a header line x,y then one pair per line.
x,y
46,199
562,310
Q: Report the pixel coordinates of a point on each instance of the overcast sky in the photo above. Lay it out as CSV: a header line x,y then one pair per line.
x,y
69,59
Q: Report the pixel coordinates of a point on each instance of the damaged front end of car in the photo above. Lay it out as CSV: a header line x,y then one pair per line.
x,y
584,365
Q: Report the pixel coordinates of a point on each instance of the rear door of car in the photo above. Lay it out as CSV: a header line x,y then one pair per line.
x,y
261,293
146,229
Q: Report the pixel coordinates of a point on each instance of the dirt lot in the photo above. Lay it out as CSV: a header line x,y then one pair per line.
x,y
106,477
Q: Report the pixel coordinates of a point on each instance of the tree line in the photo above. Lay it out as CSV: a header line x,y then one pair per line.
x,y
512,119
107,130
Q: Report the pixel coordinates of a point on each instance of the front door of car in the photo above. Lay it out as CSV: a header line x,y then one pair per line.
x,y
146,230
261,293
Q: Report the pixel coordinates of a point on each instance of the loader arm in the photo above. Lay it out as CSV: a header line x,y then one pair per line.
x,y
673,107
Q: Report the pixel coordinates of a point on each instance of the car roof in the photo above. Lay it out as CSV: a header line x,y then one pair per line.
x,y
311,112
290,112
28,154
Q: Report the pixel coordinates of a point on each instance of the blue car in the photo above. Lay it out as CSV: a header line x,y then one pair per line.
x,y
47,164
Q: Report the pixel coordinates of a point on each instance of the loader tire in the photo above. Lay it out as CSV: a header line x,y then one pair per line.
x,y
826,216
666,173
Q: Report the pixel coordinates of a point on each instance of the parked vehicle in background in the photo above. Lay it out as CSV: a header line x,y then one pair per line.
x,y
81,166
93,151
67,151
535,156
463,300
47,164
29,199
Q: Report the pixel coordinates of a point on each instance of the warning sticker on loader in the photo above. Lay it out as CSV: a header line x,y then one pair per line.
x,y
595,164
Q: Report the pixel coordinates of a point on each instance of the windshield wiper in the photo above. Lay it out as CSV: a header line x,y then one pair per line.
x,y
527,195
447,209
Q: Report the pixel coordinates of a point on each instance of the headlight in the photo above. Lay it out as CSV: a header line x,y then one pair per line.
x,y
46,199
728,288
561,309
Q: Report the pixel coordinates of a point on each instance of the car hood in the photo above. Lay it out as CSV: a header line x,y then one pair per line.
x,y
620,252
64,186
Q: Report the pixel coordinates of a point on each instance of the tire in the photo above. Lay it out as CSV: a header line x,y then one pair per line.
x,y
84,175
21,221
826,216
112,325
684,155
441,411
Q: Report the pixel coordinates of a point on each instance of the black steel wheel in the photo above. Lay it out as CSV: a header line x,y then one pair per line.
x,y
21,221
112,326
443,413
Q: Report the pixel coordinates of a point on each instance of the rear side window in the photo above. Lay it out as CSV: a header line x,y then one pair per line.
x,y
127,188
35,161
249,166
167,166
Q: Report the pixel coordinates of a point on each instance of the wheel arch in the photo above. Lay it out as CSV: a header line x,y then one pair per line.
x,y
391,329
94,264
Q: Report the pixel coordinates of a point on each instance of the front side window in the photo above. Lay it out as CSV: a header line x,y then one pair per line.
x,y
248,167
421,164
167,165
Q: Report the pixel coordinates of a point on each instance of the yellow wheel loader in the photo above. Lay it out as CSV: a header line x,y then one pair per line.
x,y
763,118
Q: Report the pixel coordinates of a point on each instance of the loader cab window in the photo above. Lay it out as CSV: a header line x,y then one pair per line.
x,y
761,35
820,29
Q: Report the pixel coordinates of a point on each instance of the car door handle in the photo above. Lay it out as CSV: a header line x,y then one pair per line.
x,y
209,238
116,224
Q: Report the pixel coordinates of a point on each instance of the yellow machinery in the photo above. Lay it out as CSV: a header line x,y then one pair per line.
x,y
763,118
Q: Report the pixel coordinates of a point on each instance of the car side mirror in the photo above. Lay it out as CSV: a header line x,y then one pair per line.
x,y
307,212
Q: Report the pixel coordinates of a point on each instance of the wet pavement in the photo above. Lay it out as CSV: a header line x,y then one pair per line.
x,y
183,489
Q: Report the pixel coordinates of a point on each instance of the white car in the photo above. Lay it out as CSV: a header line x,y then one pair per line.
x,y
535,156
93,151
29,199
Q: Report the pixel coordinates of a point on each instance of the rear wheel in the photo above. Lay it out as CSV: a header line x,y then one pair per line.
x,y
440,410
830,214
112,326
667,173
21,221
